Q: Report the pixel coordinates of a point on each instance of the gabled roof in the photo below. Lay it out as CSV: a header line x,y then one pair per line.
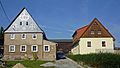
x,y
32,27
81,31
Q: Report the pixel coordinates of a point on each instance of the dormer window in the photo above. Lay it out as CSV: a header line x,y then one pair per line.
x,y
26,23
99,32
92,32
20,23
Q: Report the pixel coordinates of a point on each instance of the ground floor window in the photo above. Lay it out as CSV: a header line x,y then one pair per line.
x,y
23,48
34,48
46,48
11,48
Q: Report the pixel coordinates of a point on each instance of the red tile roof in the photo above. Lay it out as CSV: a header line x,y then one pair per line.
x,y
79,33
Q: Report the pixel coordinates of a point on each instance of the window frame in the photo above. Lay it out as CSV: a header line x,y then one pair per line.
x,y
36,48
33,36
92,32
12,36
21,48
21,23
104,43
89,43
10,48
99,32
27,23
22,36
45,49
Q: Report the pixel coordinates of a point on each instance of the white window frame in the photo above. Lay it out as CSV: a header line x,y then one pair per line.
x,y
87,43
22,36
21,48
36,48
92,32
105,43
13,48
12,36
48,48
33,36
99,32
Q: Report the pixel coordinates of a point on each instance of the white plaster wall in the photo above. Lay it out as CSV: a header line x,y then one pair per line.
x,y
96,46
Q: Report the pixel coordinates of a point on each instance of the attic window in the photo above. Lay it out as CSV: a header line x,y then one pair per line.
x,y
92,32
26,23
20,23
99,32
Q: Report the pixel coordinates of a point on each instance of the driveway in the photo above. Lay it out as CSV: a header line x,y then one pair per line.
x,y
63,63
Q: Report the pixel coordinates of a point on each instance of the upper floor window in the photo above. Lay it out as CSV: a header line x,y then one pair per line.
x,y
34,48
23,48
34,36
11,48
26,23
12,36
88,43
46,48
23,36
92,32
20,23
99,32
103,44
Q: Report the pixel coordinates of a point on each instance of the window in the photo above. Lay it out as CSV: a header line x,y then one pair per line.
x,y
99,32
12,36
20,23
23,48
34,36
11,48
34,48
88,43
26,23
46,48
23,36
103,44
92,32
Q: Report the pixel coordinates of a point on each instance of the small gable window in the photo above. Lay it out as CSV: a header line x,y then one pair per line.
x,y
103,44
88,43
92,32
20,23
99,32
23,36
26,23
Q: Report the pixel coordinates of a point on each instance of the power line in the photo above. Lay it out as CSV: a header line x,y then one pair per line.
x,y
4,11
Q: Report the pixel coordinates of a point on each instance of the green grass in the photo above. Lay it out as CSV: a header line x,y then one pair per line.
x,y
26,63
101,60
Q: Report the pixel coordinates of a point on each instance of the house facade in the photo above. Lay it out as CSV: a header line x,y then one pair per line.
x,y
24,39
92,38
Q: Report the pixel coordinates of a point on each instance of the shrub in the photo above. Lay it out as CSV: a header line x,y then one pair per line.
x,y
100,60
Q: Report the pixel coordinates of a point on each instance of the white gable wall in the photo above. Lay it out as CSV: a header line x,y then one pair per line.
x,y
24,17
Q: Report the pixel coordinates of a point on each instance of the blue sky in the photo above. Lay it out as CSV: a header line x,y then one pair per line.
x,y
60,18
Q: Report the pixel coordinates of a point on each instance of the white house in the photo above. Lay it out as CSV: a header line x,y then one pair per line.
x,y
92,38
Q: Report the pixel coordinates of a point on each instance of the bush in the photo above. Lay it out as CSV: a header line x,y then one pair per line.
x,y
100,60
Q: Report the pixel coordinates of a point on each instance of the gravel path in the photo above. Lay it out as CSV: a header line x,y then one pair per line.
x,y
63,63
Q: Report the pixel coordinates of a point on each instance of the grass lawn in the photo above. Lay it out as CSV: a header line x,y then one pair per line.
x,y
27,63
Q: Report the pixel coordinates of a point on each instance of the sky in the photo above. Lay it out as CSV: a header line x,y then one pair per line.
x,y
60,18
